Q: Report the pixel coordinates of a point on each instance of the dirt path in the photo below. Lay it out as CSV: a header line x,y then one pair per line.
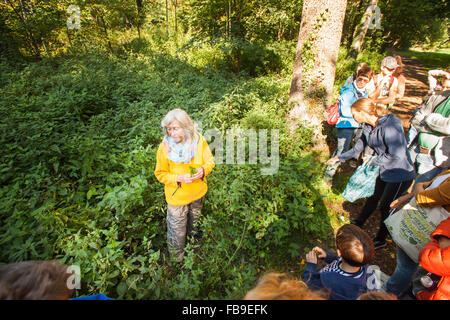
x,y
416,89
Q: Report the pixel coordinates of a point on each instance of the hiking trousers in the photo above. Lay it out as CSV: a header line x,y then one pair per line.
x,y
181,222
385,193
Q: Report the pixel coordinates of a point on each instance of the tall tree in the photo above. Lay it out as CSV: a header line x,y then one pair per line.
x,y
140,17
315,62
361,30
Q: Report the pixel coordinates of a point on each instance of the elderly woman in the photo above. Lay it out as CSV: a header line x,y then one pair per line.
x,y
183,161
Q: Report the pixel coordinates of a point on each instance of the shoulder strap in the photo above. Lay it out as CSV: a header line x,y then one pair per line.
x,y
391,81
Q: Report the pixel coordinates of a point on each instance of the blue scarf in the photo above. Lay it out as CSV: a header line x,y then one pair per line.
x,y
181,152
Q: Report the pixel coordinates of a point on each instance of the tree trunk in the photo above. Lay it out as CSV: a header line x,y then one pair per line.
x,y
361,30
354,18
229,20
175,5
315,62
167,18
139,10
100,21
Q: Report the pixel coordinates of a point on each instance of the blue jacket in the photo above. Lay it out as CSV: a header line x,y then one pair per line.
x,y
347,96
99,296
389,143
342,285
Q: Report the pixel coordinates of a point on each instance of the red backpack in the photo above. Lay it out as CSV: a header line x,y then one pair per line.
x,y
333,113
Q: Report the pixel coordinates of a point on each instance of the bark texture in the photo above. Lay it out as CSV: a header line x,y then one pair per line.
x,y
315,63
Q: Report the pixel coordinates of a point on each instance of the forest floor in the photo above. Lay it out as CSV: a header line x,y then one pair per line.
x,y
416,89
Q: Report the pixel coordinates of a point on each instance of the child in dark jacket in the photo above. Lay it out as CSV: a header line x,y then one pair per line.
x,y
348,274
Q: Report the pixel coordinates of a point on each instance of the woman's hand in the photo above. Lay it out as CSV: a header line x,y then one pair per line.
x,y
366,158
184,178
199,174
332,161
401,201
187,178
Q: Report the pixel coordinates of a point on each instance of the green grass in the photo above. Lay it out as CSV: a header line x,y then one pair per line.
x,y
431,60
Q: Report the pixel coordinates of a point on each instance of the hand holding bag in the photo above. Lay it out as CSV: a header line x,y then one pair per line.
x,y
362,182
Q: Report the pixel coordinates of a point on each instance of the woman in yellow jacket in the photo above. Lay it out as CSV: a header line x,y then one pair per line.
x,y
183,161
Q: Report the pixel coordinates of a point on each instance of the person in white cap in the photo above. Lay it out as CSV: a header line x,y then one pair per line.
x,y
385,83
438,85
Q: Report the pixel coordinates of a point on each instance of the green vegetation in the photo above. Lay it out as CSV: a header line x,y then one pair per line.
x,y
437,59
80,114
79,139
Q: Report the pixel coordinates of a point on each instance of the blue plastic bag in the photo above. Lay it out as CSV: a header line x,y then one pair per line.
x,y
362,182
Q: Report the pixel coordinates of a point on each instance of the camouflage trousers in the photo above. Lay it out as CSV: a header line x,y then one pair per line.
x,y
182,222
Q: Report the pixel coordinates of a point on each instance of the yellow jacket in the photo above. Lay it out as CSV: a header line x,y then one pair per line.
x,y
166,172
439,196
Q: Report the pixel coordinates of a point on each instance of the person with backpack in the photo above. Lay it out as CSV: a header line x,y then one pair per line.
x,y
429,147
346,126
429,194
383,89
354,75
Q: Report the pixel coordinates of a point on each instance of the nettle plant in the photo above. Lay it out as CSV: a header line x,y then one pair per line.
x,y
77,156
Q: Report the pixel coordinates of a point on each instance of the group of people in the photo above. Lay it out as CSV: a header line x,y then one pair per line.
x,y
408,167
382,89
184,160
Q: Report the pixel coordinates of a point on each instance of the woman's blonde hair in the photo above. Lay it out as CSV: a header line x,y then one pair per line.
x,y
186,122
398,71
376,295
368,106
279,286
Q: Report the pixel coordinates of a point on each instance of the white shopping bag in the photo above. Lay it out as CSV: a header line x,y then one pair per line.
x,y
411,226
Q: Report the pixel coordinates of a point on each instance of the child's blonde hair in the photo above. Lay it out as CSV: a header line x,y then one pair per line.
x,y
279,286
377,295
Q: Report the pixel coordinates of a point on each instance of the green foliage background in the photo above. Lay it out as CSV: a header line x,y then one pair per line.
x,y
79,134
80,114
